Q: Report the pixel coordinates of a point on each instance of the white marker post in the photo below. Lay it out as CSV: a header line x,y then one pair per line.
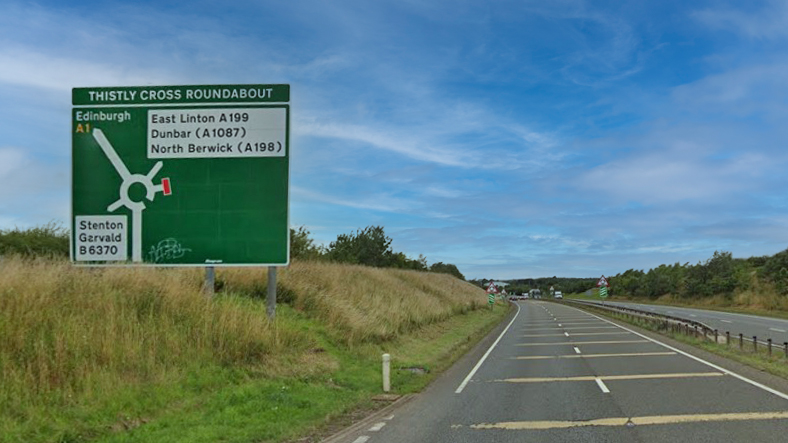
x,y
386,372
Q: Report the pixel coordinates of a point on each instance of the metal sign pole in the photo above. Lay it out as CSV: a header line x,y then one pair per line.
x,y
271,296
210,281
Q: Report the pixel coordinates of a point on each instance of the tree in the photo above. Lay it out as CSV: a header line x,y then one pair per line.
x,y
369,246
302,246
50,239
447,268
775,270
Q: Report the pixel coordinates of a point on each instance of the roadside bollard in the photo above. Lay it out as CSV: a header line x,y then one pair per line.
x,y
769,342
716,338
785,345
755,343
727,338
386,373
741,341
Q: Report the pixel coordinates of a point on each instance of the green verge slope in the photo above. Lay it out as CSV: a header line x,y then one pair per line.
x,y
140,355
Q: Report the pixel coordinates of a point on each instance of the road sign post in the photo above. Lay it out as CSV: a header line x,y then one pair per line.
x,y
603,286
181,175
492,290
271,296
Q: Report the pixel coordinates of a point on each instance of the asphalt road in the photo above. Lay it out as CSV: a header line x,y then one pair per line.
x,y
559,374
749,325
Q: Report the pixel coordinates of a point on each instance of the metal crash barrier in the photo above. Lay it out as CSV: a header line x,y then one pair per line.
x,y
679,325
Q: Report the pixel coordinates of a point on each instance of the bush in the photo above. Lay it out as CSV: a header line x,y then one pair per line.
x,y
48,240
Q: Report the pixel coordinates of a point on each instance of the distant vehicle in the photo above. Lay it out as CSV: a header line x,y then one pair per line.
x,y
535,293
558,294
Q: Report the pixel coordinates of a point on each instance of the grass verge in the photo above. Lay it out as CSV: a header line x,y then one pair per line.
x,y
140,355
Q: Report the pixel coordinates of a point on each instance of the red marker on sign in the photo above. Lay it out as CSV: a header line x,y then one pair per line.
x,y
165,183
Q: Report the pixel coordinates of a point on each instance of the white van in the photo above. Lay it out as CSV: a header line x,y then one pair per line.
x,y
558,294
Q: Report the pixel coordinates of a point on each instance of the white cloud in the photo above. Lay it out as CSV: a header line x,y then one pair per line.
x,y
768,22
752,88
31,191
30,68
675,175
380,202
400,143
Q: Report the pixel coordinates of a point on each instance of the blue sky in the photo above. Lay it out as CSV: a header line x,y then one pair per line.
x,y
512,138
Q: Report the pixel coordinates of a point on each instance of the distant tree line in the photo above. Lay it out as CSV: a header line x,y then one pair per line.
x,y
369,246
563,284
719,275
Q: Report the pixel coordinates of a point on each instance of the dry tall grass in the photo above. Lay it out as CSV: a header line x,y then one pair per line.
x,y
67,332
359,303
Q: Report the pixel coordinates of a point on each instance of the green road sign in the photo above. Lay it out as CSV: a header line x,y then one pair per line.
x,y
603,291
181,175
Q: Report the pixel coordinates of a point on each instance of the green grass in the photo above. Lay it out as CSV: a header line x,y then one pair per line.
x,y
263,410
140,355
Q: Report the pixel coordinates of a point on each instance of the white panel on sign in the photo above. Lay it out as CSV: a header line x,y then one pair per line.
x,y
217,133
101,237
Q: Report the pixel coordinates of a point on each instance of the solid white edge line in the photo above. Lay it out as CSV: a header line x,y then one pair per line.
x,y
602,385
484,357
362,439
700,360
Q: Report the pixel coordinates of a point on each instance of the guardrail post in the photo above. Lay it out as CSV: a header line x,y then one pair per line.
x,y
769,342
741,341
755,343
728,338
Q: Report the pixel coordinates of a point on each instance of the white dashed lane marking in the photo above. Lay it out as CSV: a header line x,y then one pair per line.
x,y
377,427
